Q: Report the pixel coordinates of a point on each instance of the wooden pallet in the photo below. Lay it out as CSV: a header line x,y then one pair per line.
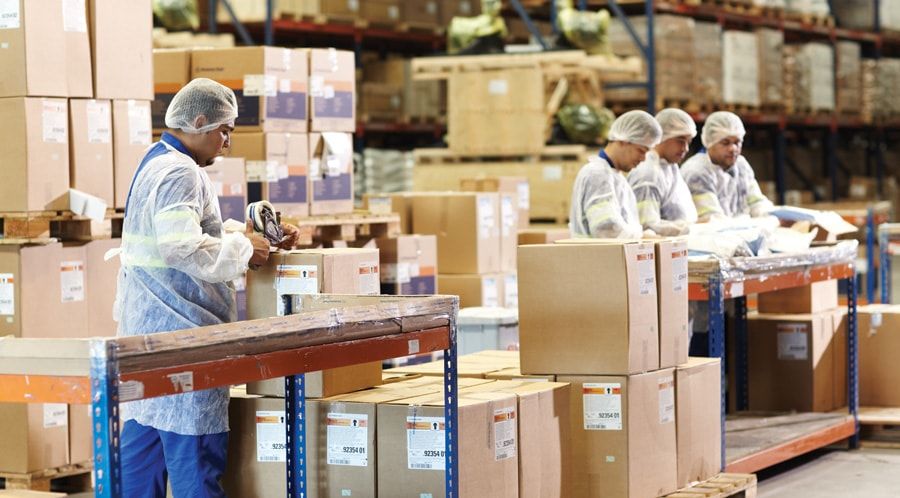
x,y
424,28
37,227
879,427
549,153
556,62
345,227
72,478
810,19
721,486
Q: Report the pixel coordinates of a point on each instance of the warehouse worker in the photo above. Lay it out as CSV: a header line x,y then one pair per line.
x,y
721,180
663,200
176,273
603,204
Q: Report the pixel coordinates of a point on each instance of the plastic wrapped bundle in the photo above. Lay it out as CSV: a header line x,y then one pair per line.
x,y
789,78
860,14
770,45
588,31
707,75
740,74
869,89
849,77
584,124
812,7
386,171
814,72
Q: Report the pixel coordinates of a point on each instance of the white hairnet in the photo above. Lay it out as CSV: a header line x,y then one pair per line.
x,y
637,127
676,123
721,125
201,97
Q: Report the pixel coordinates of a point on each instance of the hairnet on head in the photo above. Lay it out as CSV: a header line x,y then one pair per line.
x,y
636,127
721,125
201,97
676,123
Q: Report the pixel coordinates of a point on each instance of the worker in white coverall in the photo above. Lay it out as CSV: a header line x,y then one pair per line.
x,y
721,180
603,204
664,202
176,273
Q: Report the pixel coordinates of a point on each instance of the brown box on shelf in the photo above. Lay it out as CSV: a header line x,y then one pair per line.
x,y
280,161
35,436
131,137
467,229
484,289
879,346
256,456
34,49
812,298
122,48
408,265
588,308
330,173
672,292
533,235
385,12
229,177
380,102
34,151
171,71
79,68
517,185
270,84
101,279
324,383
421,99
422,13
81,437
332,90
397,202
698,397
623,434
91,148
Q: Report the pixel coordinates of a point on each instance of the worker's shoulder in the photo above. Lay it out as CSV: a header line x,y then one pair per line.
x,y
695,164
595,167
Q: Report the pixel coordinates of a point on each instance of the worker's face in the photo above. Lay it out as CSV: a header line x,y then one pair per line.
x,y
725,152
214,144
674,149
634,154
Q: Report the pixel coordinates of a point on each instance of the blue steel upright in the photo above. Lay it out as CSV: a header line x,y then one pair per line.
x,y
852,359
716,339
884,245
295,427
105,419
871,273
451,418
742,365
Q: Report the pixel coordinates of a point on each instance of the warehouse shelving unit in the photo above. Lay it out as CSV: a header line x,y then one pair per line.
x,y
822,429
337,331
889,243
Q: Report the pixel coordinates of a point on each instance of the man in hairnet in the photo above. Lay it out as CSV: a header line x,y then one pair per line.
x,y
664,202
603,204
176,273
721,180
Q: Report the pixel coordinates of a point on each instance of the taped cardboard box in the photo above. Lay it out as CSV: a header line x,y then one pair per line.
x,y
623,434
280,162
34,151
229,178
91,148
270,83
122,49
171,71
879,347
487,437
332,90
740,72
813,298
467,226
672,291
35,436
408,265
474,290
468,366
79,68
515,373
386,12
517,185
35,49
397,202
698,396
533,235
330,173
588,308
131,138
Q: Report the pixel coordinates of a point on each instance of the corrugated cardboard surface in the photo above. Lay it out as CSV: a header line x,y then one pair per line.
x,y
122,45
698,394
244,474
91,148
79,69
324,383
517,185
171,71
35,52
531,236
28,445
408,265
286,153
467,226
812,298
131,138
332,82
639,460
229,177
672,290
583,308
474,290
879,348
329,194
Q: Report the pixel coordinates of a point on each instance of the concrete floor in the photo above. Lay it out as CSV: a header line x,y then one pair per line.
x,y
868,472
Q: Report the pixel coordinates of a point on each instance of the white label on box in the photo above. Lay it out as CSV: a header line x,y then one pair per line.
x,y
71,281
646,267
139,124
425,443
395,273
679,271
498,87
316,86
858,190
334,166
131,390
99,122
666,400
272,171
504,433
602,407
485,213
346,492
270,437
737,289
286,59
553,173
524,192
353,5
412,346
508,214
283,171
296,279
792,341
56,415
393,12
369,280
328,91
256,171
489,295
237,189
511,291
74,16
55,122
220,188
9,14
348,442
315,168
284,85
431,8
260,85
875,319
7,294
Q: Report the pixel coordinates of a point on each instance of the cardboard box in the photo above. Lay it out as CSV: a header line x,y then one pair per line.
x,y
229,177
34,151
797,362
813,298
91,148
131,138
280,161
35,50
672,292
122,49
531,236
171,71
256,466
623,434
879,346
386,12
698,397
79,68
517,185
467,227
80,435
468,366
422,12
408,265
332,90
325,383
330,173
474,290
35,436
514,373
380,101
101,282
410,441
511,290
398,202
270,84
588,308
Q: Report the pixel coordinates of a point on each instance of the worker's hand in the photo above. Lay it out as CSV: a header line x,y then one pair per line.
x,y
260,250
291,236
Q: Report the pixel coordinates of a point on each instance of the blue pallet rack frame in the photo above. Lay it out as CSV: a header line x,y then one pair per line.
x,y
886,234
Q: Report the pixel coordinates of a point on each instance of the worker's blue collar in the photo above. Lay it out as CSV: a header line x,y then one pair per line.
x,y
603,155
702,150
176,144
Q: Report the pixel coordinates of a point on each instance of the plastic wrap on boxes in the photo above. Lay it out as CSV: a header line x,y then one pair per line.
x,y
860,14
740,72
849,77
814,7
809,81
770,44
707,75
386,171
736,269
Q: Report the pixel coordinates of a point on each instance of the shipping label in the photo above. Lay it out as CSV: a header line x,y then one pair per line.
x,y
369,280
71,281
99,122
511,291
508,214
139,123
679,271
524,192
486,217
490,296
296,279
56,415
74,16
666,400
646,267
504,433
425,443
260,85
270,437
792,341
348,442
602,406
553,173
396,273
55,121
498,87
9,14
7,295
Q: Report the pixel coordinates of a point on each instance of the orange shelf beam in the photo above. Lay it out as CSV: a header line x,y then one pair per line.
x,y
755,284
44,389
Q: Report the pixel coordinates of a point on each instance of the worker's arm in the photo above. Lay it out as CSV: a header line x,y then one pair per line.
x,y
649,202
703,191
604,214
757,202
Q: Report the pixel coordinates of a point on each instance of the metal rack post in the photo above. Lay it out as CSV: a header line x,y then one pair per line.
x,y
451,419
742,365
105,420
852,359
716,340
295,427
871,273
884,246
